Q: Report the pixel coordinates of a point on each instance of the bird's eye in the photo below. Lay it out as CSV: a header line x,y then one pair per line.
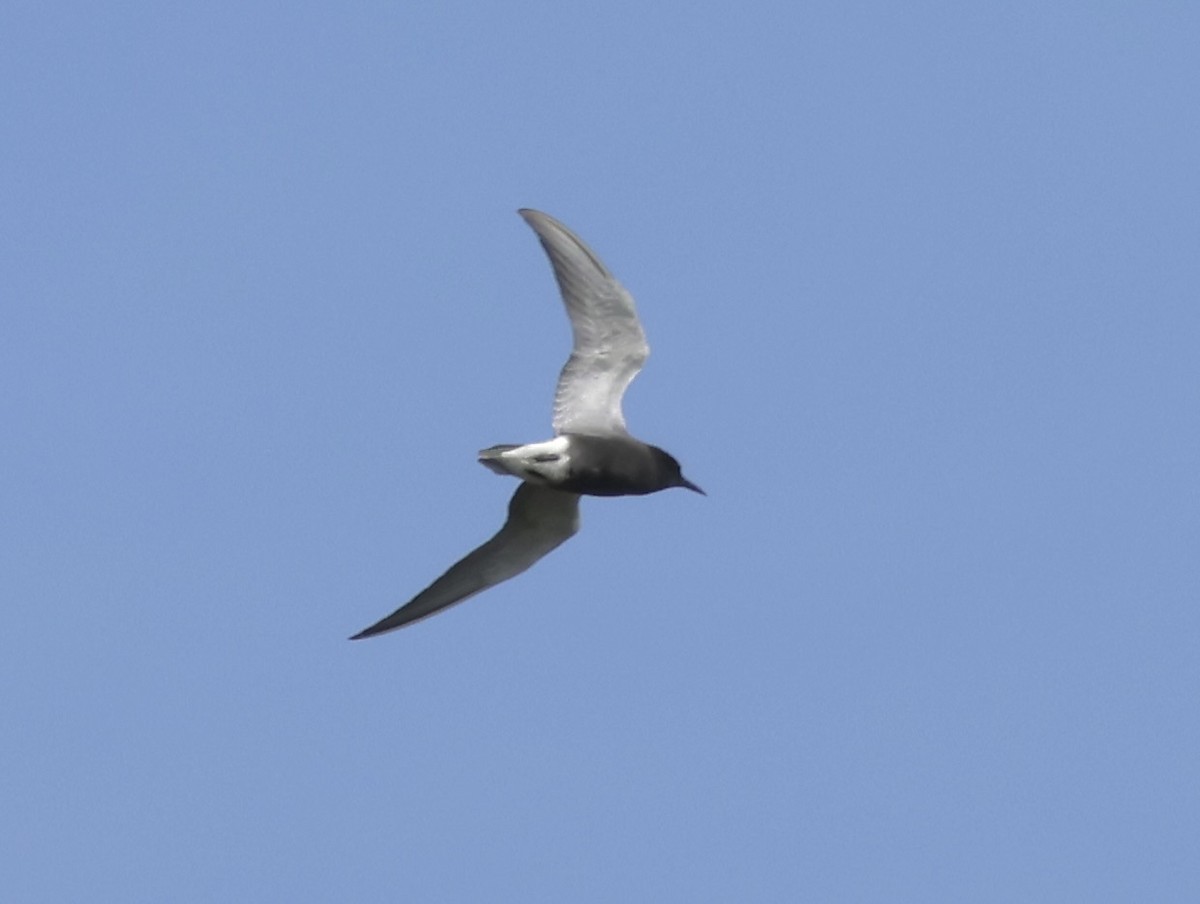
x,y
545,457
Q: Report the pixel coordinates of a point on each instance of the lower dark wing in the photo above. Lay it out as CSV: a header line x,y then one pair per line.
x,y
539,519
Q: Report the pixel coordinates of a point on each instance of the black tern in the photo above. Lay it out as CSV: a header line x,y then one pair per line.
x,y
592,453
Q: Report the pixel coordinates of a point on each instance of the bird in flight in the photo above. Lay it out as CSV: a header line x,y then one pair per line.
x,y
591,454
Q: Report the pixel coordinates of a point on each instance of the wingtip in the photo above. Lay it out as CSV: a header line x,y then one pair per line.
x,y
540,221
531,216
380,627
384,626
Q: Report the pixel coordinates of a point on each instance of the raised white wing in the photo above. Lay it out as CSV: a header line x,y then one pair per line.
x,y
539,519
610,347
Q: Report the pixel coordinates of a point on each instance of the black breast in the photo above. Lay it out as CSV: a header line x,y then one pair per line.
x,y
613,466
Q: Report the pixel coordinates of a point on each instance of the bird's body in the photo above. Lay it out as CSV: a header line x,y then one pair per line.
x,y
591,454
592,465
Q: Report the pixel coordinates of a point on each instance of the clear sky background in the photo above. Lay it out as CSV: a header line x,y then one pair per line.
x,y
923,287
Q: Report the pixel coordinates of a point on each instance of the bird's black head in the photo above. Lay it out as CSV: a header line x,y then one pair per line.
x,y
671,473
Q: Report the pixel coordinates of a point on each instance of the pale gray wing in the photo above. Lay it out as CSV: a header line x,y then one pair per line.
x,y
610,347
539,519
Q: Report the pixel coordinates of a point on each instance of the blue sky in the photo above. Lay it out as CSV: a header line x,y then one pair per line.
x,y
922,285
